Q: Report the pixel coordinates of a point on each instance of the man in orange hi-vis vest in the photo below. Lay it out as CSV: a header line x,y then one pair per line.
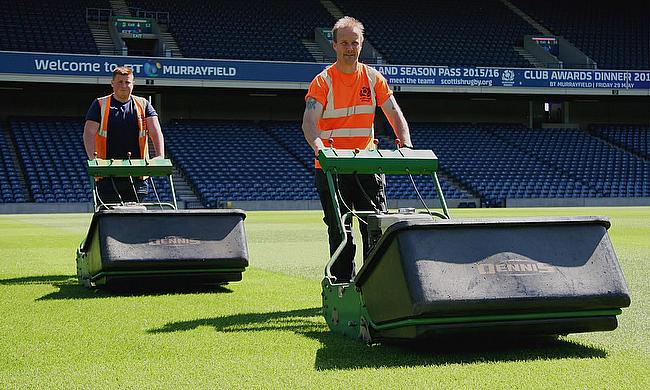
x,y
340,105
118,126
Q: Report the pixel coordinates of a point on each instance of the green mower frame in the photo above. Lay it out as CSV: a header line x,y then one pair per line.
x,y
159,167
343,306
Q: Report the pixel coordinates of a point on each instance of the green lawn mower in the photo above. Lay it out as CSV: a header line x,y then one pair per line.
x,y
135,243
429,276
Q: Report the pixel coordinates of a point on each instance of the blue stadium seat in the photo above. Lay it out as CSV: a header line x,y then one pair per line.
x,y
55,27
614,34
11,188
270,160
445,32
251,30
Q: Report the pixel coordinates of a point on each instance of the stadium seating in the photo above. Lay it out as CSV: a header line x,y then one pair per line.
x,y
497,162
290,135
52,155
443,32
270,160
634,138
606,171
11,190
401,186
48,26
250,30
476,158
236,160
615,34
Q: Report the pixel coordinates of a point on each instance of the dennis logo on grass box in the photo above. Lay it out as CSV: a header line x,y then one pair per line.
x,y
515,267
174,241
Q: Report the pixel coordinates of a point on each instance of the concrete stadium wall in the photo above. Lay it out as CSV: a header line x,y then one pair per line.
x,y
262,205
289,105
232,104
609,110
463,108
30,99
577,202
54,208
315,204
33,99
45,208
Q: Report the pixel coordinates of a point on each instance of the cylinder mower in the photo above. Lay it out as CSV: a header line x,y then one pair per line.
x,y
428,275
130,243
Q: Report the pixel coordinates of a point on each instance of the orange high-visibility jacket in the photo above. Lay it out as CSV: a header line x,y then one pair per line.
x,y
349,102
102,133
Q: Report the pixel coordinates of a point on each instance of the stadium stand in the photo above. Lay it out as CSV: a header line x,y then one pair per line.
x,y
52,155
596,164
475,159
289,134
615,34
11,190
250,30
444,32
633,138
401,186
269,160
496,170
236,160
47,26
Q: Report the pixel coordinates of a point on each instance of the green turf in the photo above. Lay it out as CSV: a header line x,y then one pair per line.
x,y
266,331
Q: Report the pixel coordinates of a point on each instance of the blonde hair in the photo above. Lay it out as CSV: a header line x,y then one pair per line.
x,y
347,21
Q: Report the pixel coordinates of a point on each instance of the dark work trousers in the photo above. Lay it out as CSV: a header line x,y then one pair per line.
x,y
107,186
343,269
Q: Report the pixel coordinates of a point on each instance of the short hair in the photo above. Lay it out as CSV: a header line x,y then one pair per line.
x,y
122,71
347,21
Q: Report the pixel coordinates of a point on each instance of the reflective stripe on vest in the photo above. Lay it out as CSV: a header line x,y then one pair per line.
x,y
102,132
349,138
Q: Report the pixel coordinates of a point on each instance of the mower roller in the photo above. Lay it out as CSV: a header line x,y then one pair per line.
x,y
134,243
430,276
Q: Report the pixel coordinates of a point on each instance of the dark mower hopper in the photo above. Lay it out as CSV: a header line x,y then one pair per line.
x,y
128,244
430,277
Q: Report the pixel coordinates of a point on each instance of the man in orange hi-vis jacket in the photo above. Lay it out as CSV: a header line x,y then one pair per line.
x,y
340,105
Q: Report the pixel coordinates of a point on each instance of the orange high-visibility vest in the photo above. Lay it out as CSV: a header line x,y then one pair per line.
x,y
349,125
102,133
